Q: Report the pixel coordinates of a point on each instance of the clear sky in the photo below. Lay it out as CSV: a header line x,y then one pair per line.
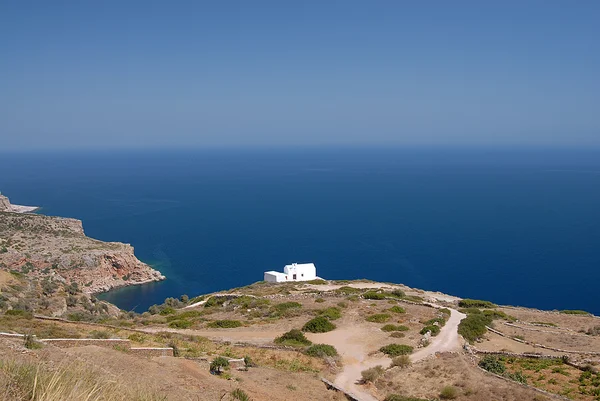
x,y
156,74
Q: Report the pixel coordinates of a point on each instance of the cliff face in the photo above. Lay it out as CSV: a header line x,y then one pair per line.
x,y
43,246
4,203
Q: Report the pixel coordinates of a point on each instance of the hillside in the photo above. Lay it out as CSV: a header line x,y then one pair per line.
x,y
318,340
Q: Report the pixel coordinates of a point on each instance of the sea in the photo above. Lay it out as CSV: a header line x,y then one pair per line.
x,y
516,227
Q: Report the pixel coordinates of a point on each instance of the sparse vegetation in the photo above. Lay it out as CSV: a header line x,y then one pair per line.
x,y
449,393
331,313
372,374
575,312
401,361
396,397
373,295
224,324
240,395
319,324
393,327
434,330
492,364
217,364
378,318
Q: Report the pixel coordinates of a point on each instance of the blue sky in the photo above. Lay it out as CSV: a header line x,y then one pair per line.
x,y
157,74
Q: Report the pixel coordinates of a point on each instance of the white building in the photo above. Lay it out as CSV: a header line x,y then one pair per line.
x,y
293,272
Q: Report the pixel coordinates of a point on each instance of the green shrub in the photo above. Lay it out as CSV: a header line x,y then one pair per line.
x,y
343,304
319,300
448,393
373,295
397,334
473,326
475,303
214,301
397,309
445,311
518,377
353,298
294,337
492,364
575,312
317,282
393,327
30,342
217,364
378,318
497,314
370,375
435,330
396,349
319,324
397,293
321,350
401,361
469,311
331,313
225,324
180,324
167,311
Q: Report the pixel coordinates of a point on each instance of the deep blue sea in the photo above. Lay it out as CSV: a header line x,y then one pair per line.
x,y
513,227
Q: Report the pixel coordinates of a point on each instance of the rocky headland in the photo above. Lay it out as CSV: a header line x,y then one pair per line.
x,y
45,247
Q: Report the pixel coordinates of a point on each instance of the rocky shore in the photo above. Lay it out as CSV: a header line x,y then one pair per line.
x,y
42,246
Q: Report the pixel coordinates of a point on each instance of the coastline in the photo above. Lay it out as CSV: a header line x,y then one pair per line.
x,y
23,209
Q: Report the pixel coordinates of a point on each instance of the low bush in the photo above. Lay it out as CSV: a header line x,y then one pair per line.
x,y
214,301
20,313
284,306
497,314
319,300
294,337
319,324
101,334
396,397
401,361
372,374
217,364
331,313
345,290
575,312
240,395
397,334
225,324
342,304
321,350
30,342
439,320
492,364
397,309
317,282
180,324
396,349
593,331
445,311
475,303
435,330
373,295
378,318
397,293
449,393
393,327
473,326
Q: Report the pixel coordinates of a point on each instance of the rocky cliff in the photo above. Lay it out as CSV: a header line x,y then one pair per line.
x,y
4,203
43,246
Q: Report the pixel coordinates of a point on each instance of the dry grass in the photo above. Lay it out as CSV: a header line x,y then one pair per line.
x,y
21,380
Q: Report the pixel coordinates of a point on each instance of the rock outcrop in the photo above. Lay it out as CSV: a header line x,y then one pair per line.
x,y
43,246
4,203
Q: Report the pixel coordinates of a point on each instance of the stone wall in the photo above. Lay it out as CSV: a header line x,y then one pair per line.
x,y
82,342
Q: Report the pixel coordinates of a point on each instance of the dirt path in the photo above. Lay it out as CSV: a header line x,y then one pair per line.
x,y
350,341
447,340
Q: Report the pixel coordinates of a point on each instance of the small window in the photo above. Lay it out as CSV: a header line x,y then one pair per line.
x,y
302,275
294,277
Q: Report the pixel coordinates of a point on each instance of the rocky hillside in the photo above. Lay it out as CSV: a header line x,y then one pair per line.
x,y
52,247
